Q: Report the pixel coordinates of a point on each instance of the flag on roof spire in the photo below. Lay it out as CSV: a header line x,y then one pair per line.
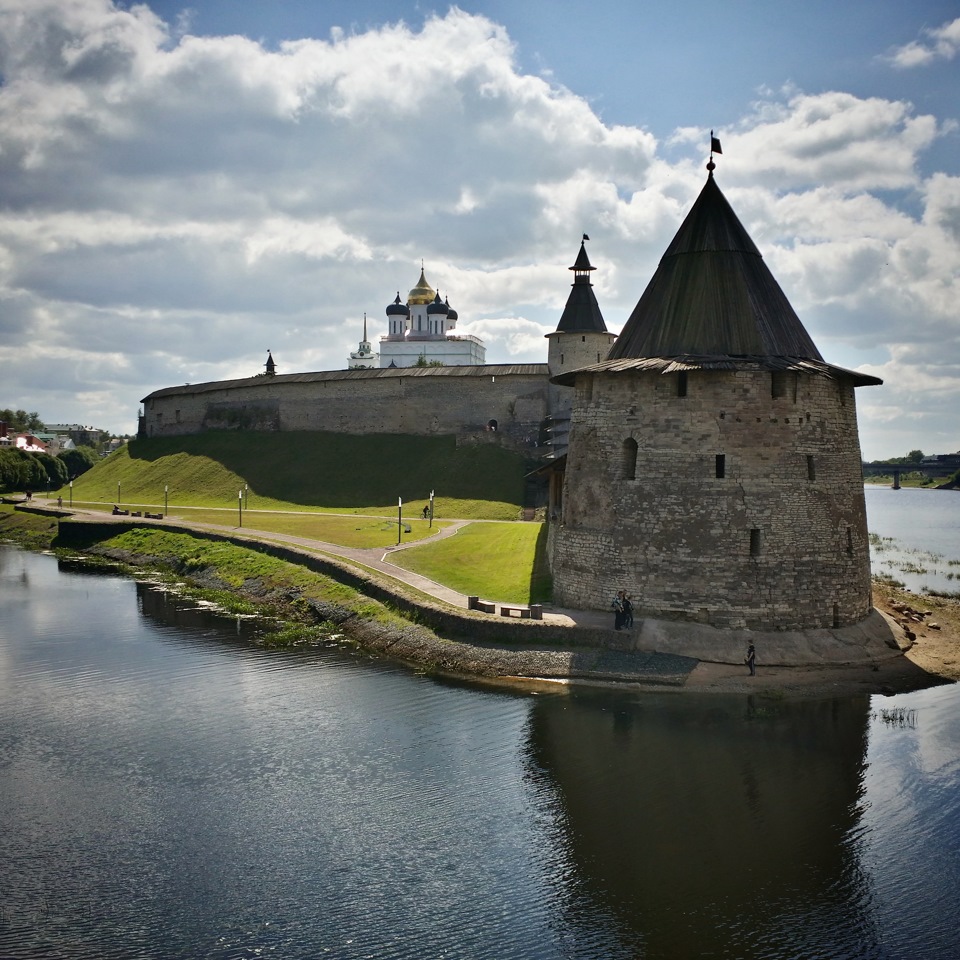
x,y
585,237
714,144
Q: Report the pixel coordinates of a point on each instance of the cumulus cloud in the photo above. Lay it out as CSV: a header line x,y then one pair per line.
x,y
941,43
171,206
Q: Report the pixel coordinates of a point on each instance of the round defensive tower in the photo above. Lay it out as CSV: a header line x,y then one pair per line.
x,y
713,468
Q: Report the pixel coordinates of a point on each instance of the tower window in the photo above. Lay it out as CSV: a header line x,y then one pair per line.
x,y
629,459
849,541
561,358
583,339
721,466
755,543
682,383
811,468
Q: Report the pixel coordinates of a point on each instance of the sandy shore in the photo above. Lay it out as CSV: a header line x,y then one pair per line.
x,y
932,658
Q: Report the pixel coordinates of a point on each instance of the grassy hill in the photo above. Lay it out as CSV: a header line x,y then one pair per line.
x,y
322,471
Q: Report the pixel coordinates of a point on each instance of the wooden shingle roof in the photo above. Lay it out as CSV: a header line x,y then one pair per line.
x,y
712,295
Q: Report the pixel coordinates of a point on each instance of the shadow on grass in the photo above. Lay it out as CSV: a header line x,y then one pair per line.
x,y
342,470
541,582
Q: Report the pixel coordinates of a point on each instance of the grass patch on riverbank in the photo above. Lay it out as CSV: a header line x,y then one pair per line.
x,y
495,561
318,471
31,530
262,578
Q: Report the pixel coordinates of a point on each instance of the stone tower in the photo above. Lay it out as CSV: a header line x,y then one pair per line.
x,y
581,338
714,466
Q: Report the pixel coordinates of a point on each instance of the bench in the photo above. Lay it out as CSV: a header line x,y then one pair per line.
x,y
533,612
485,606
152,516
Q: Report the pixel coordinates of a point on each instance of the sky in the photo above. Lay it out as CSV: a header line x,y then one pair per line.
x,y
184,187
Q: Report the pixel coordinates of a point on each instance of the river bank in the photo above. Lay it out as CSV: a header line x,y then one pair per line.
x,y
386,619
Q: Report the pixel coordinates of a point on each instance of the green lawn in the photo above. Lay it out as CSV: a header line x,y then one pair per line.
x,y
356,531
309,471
495,561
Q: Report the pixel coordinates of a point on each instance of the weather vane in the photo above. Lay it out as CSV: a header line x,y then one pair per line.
x,y
714,148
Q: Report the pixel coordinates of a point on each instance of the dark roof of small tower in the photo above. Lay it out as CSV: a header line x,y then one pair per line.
x,y
451,313
582,312
270,365
712,295
398,308
438,306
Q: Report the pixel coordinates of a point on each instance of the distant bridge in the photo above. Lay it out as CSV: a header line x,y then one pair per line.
x,y
944,467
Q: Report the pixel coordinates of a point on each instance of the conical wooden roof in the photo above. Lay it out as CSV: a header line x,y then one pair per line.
x,y
582,312
712,295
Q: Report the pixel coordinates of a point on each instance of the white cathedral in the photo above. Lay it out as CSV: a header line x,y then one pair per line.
x,y
420,332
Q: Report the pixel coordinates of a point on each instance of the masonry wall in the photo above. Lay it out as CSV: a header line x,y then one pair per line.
x,y
364,402
770,536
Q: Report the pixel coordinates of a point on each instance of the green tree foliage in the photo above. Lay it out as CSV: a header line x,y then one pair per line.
x,y
79,460
55,469
915,456
19,421
20,470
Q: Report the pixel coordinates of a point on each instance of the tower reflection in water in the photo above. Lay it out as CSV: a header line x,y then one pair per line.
x,y
708,826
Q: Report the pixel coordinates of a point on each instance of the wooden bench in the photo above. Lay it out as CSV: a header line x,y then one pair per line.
x,y
533,612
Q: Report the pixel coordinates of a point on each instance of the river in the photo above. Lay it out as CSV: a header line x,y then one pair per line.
x,y
915,537
168,789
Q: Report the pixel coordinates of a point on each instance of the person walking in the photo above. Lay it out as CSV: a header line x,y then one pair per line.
x,y
627,611
751,660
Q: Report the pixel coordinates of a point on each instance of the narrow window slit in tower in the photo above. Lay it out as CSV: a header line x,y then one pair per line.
x,y
811,468
721,465
755,543
682,383
630,459
836,615
849,541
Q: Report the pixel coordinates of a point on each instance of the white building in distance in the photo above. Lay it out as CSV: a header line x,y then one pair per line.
x,y
420,332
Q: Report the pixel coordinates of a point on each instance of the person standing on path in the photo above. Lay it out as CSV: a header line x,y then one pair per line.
x,y
751,660
619,613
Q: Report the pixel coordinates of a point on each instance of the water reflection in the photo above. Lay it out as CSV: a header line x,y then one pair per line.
x,y
711,827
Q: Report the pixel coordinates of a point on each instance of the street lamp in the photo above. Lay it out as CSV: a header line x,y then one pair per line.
x,y
118,493
399,518
166,498
71,493
240,505
431,510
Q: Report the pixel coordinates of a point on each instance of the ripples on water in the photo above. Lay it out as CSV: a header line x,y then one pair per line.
x,y
168,789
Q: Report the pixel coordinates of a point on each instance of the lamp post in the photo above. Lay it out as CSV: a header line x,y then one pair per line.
x,y
399,518
431,510
118,493
71,493
240,505
166,498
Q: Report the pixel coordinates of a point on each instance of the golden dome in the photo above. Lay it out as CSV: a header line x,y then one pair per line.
x,y
422,292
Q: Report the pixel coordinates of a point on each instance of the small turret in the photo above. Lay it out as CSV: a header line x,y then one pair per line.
x,y
271,367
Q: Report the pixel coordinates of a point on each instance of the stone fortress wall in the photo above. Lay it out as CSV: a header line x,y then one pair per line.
x,y
735,500
509,402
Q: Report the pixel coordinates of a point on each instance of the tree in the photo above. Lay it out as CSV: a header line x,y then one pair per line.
x,y
19,421
915,456
20,470
55,469
79,460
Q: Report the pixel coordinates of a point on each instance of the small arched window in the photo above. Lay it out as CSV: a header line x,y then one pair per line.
x,y
629,459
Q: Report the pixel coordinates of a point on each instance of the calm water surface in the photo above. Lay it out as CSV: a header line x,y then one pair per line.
x,y
169,790
916,537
